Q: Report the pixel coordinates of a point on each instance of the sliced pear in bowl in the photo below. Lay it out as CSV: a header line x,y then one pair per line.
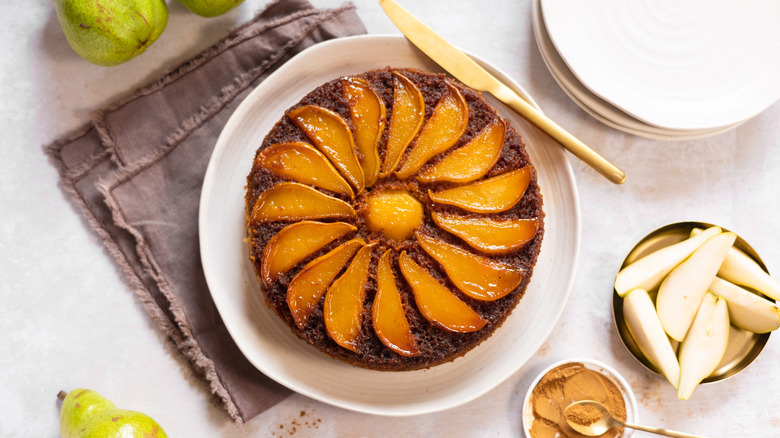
x,y
368,115
289,201
491,195
682,290
740,269
343,306
302,163
387,312
436,303
645,327
441,132
488,235
296,242
478,277
406,119
331,134
747,310
470,161
648,272
705,344
308,286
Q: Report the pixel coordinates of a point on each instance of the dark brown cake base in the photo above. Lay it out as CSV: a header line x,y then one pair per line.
x,y
436,344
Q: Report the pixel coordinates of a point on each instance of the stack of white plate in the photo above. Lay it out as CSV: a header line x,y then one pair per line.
x,y
663,69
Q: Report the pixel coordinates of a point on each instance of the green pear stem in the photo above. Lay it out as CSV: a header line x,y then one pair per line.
x,y
61,395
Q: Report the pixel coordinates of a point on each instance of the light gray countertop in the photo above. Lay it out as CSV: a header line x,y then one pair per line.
x,y
68,319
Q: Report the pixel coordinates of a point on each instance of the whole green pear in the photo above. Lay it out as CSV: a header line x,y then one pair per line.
x,y
110,32
87,414
210,8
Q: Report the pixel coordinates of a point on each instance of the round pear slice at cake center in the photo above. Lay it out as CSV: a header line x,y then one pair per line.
x,y
395,213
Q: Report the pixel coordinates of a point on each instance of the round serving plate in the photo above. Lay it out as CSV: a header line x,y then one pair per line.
x,y
743,347
269,344
698,64
597,107
632,410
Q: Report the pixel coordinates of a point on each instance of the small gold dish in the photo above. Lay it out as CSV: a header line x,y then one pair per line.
x,y
743,346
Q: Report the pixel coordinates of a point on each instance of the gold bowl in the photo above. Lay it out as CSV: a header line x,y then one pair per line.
x,y
743,346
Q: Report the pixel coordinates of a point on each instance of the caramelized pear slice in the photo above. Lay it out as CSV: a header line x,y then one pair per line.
x,y
330,133
436,303
289,201
390,323
368,114
491,195
491,236
441,132
296,242
344,302
470,161
302,163
406,119
476,276
395,213
308,286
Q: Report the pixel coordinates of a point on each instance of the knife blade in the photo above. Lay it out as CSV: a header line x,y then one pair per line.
x,y
466,70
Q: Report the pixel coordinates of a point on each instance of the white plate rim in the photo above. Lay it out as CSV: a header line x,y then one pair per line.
x,y
578,54
598,108
215,252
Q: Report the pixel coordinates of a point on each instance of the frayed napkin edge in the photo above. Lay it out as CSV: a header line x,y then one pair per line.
x,y
69,177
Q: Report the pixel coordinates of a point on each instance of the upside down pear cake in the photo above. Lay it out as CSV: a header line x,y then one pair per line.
x,y
393,218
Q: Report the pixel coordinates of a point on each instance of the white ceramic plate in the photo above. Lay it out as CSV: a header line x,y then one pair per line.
x,y
272,347
687,65
597,107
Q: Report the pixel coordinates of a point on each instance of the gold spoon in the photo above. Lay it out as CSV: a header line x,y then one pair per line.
x,y
604,421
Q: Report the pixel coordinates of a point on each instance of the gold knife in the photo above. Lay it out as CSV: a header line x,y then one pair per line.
x,y
473,75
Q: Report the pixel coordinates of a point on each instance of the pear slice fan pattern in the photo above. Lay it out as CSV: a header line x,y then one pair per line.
x,y
393,218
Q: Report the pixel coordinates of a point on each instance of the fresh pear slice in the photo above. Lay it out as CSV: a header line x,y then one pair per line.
x,y
368,114
740,269
648,272
747,310
673,342
302,163
387,312
294,243
441,132
703,348
308,286
436,303
331,134
395,213
646,329
470,161
344,302
491,236
491,195
476,276
406,119
289,201
682,290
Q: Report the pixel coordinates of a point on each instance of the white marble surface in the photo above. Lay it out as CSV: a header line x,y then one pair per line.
x,y
69,320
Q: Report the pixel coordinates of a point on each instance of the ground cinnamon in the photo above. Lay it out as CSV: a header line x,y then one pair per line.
x,y
584,415
564,385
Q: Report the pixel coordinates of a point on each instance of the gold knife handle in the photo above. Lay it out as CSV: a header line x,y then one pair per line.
x,y
570,142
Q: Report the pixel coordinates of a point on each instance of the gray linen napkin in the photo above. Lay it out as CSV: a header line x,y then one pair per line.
x,y
136,172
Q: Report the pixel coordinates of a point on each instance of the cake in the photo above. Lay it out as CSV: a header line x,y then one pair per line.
x,y
394,219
